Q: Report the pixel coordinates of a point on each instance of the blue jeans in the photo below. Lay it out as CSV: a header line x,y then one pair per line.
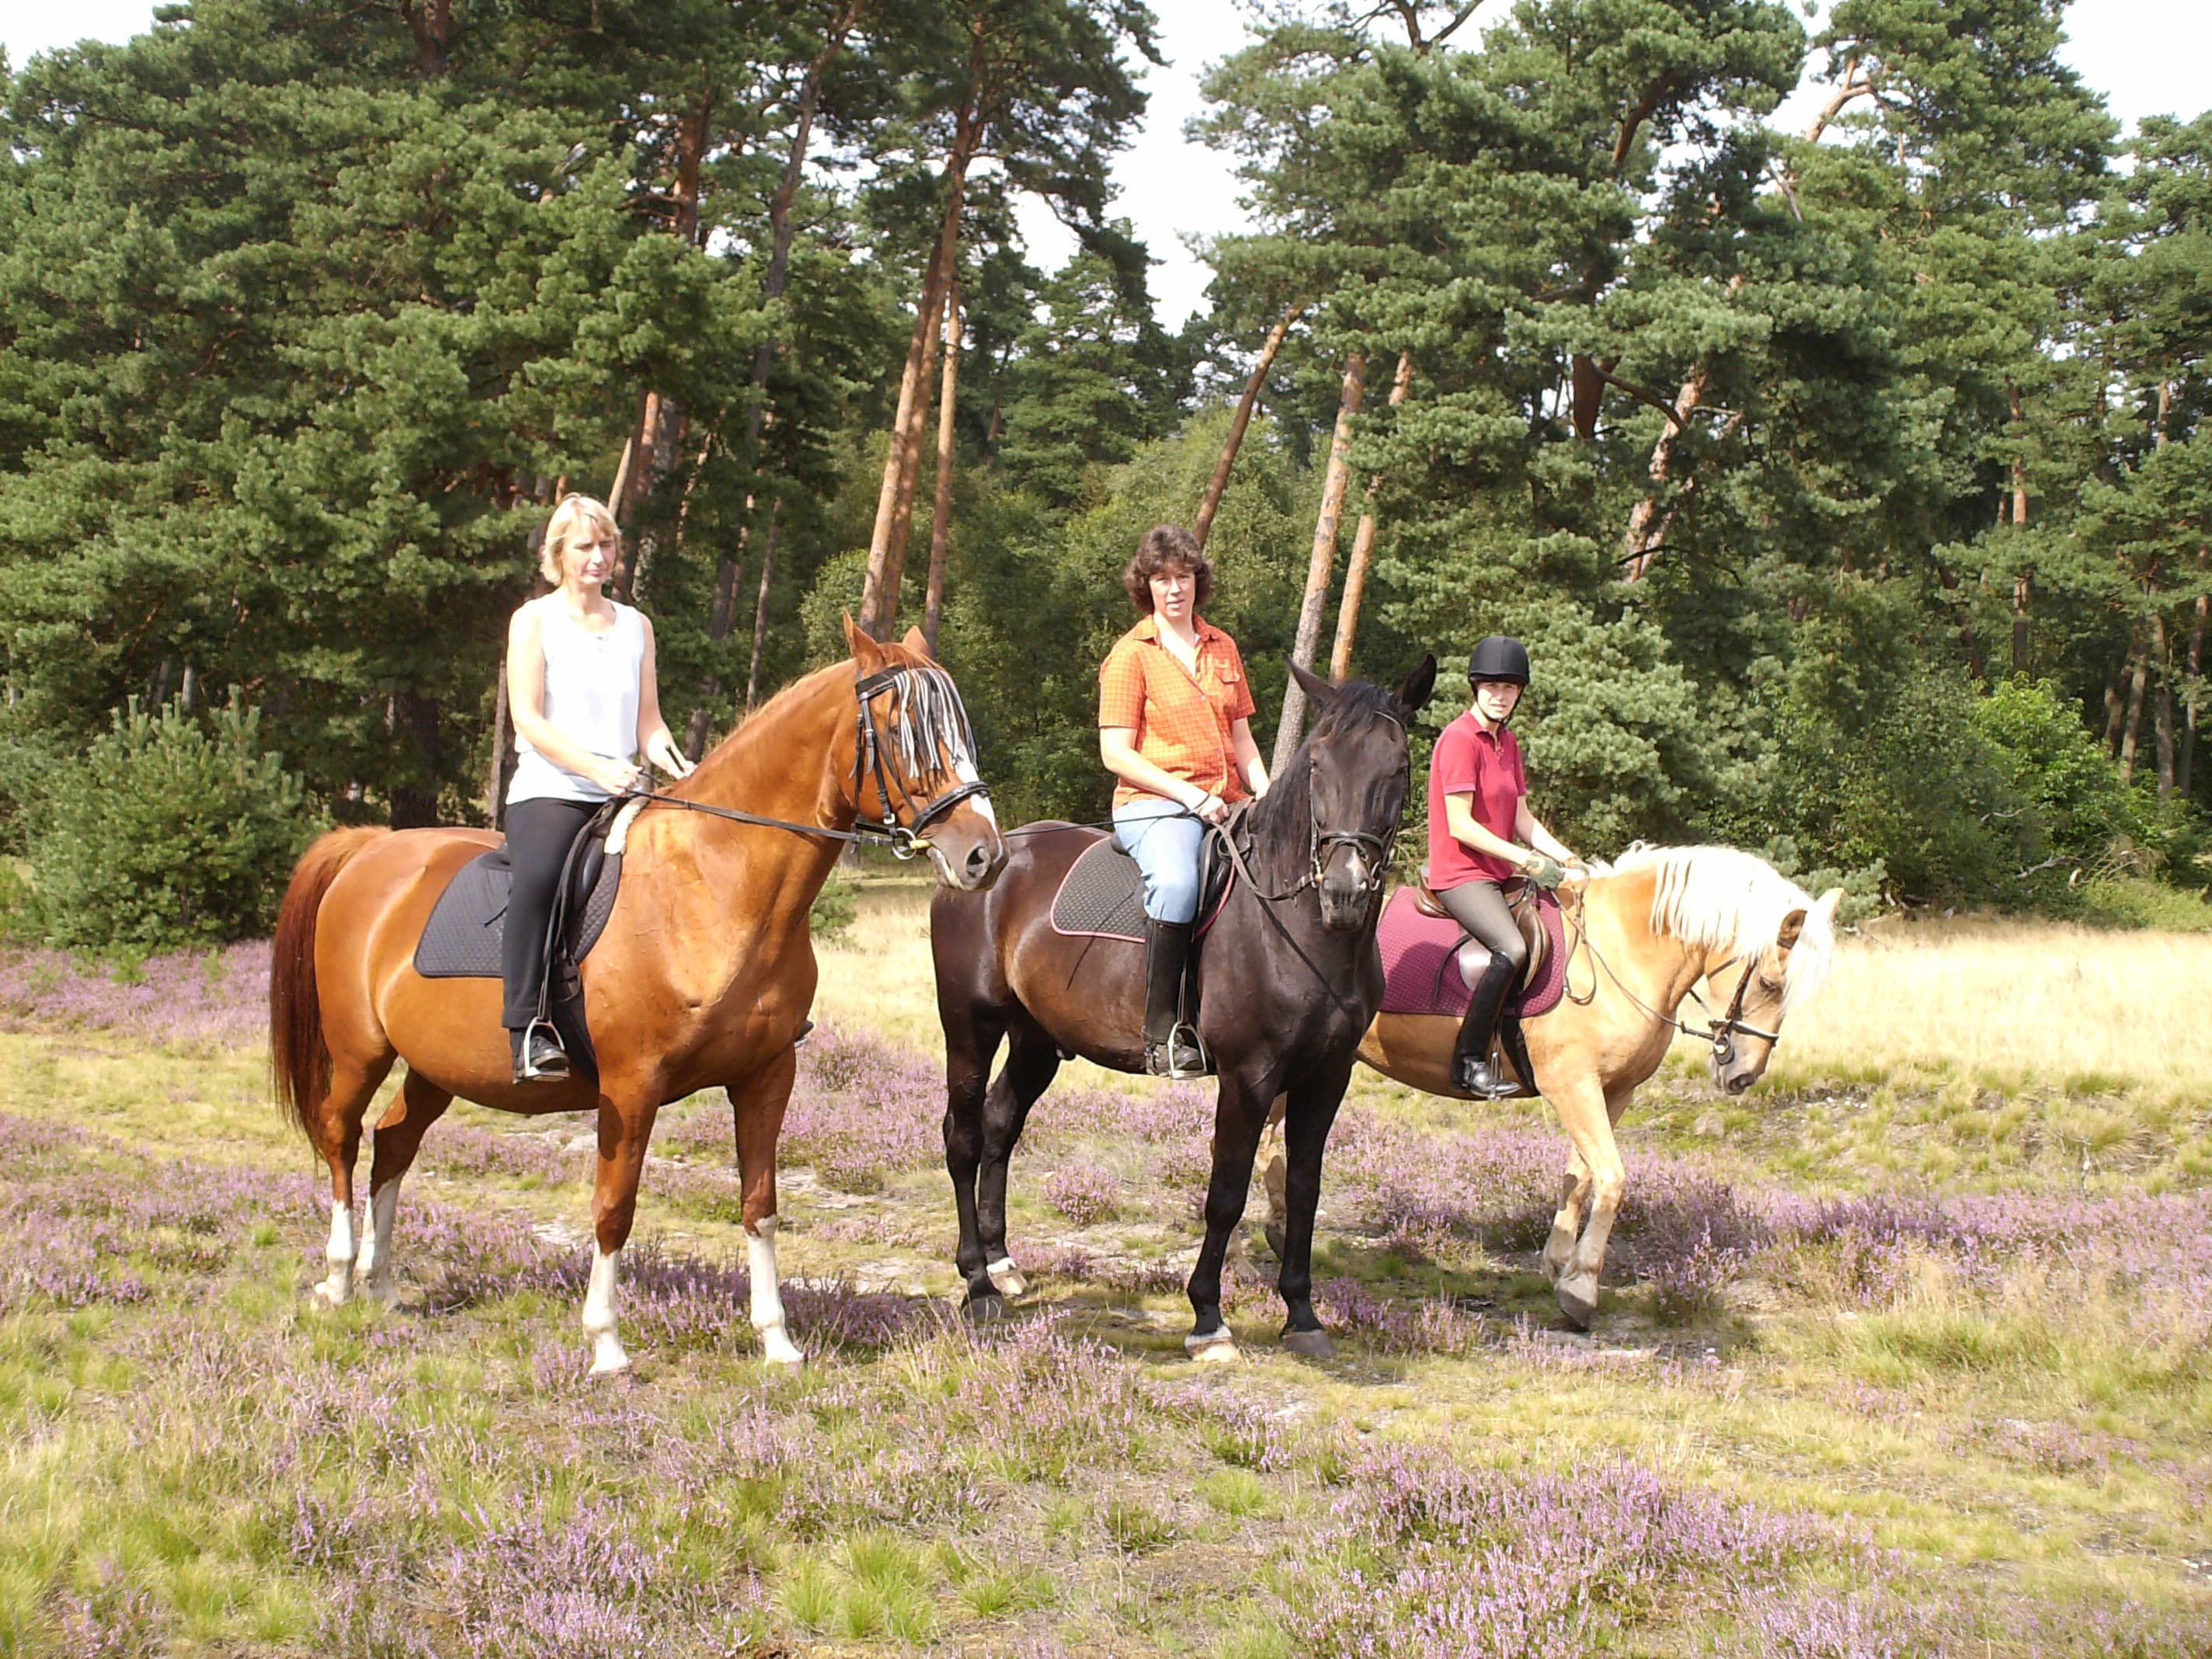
x,y
1165,839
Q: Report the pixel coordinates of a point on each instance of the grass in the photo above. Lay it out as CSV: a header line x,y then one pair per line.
x,y
1939,1383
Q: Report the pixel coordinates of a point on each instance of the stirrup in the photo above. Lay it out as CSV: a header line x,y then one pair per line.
x,y
1477,1077
545,1064
1180,1058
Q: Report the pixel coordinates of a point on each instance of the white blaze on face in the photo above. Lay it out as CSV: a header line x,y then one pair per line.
x,y
964,769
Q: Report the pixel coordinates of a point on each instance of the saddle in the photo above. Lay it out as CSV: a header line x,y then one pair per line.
x,y
464,936
1527,916
1103,894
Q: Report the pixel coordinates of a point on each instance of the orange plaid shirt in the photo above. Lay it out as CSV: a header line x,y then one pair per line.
x,y
1184,722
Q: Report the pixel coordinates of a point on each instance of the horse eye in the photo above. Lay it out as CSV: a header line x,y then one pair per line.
x,y
1771,985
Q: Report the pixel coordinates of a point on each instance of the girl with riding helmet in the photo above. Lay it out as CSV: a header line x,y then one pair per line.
x,y
1480,834
1175,716
581,687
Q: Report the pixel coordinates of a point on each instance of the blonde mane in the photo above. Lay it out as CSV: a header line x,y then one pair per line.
x,y
1721,898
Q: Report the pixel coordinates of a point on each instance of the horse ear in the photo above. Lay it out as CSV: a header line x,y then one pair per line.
x,y
1419,685
1825,906
914,641
1785,938
1319,690
866,651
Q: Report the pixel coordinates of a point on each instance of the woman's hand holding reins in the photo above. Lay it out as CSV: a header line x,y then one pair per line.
x,y
662,751
616,777
1211,809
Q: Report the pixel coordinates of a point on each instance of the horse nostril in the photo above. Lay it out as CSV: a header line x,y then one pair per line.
x,y
1738,1084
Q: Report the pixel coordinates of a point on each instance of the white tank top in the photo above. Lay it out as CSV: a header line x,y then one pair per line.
x,y
591,699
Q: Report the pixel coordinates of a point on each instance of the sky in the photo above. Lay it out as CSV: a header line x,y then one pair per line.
x,y
2146,56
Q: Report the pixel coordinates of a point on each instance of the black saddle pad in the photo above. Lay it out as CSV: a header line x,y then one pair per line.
x,y
1103,894
461,940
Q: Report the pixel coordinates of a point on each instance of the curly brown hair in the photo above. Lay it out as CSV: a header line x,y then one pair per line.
x,y
1167,547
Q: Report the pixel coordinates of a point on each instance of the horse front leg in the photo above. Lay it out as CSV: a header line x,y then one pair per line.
x,y
970,1043
1032,1063
1582,1111
1240,1113
756,1107
625,1126
1311,1112
1567,1223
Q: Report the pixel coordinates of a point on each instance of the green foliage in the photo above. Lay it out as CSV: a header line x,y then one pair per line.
x,y
169,831
835,906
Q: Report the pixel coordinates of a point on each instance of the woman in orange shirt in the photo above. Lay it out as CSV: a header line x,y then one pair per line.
x,y
1175,716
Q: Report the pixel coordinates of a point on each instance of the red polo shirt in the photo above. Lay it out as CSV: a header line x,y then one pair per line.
x,y
1486,765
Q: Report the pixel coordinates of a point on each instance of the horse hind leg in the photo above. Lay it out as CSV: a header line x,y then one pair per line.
x,y
1032,1063
399,1137
334,1125
1566,1223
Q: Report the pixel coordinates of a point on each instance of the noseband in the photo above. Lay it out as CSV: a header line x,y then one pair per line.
x,y
927,719
1724,1029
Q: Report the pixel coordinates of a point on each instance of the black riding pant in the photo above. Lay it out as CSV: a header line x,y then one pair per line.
x,y
1480,907
538,835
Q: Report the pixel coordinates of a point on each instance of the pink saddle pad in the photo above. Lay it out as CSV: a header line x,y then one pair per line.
x,y
1420,961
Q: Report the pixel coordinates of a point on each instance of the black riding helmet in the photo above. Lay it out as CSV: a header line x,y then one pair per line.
x,y
1499,658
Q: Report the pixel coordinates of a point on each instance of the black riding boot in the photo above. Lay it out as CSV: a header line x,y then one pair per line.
x,y
538,1055
1471,1068
1170,1049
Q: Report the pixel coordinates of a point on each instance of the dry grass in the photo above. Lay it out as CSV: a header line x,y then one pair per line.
x,y
2004,1003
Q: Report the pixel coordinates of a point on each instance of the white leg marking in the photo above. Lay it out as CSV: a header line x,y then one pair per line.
x,y
1214,1348
1006,1278
338,1253
776,1345
607,1355
373,1270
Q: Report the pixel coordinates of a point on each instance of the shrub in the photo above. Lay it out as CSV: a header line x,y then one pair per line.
x,y
835,908
169,831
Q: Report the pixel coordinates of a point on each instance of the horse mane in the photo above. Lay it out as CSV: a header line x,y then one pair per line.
x,y
1723,898
1287,810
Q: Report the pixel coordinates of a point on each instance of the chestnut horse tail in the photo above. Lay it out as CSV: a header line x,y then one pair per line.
x,y
298,1059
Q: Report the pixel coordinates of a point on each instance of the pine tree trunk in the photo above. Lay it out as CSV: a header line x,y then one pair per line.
x,y
941,518
2130,729
1363,548
431,23
416,719
910,471
1219,484
760,608
1334,483
2023,579
1640,546
887,541
2162,707
2185,772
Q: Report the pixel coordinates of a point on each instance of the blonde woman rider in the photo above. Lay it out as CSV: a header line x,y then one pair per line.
x,y
581,688
1481,833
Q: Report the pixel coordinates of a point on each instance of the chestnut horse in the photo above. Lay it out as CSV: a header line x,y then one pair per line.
x,y
702,977
1288,980
1639,938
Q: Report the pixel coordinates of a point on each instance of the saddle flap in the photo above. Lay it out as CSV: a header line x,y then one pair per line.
x,y
1425,900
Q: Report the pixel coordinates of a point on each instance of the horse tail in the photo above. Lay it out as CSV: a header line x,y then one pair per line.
x,y
298,1058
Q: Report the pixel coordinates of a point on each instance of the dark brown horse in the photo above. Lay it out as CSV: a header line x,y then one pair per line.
x,y
1288,981
702,977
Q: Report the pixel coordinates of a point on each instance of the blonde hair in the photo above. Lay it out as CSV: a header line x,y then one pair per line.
x,y
574,513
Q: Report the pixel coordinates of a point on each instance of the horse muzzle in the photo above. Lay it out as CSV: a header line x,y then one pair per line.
x,y
967,849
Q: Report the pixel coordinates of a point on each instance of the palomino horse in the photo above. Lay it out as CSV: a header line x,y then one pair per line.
x,y
703,975
1289,978
1639,939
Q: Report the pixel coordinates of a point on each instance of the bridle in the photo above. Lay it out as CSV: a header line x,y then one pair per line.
x,y
927,719
1720,1033
1321,846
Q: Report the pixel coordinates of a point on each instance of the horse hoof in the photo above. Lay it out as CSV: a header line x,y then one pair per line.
x,y
1006,1278
777,1349
1278,1241
608,1358
332,1294
1212,1348
984,1310
384,1293
1578,1300
1310,1344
